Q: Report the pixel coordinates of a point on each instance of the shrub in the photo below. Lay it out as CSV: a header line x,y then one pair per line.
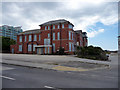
x,y
91,52
61,51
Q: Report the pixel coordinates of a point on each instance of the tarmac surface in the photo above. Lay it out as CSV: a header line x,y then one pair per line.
x,y
60,76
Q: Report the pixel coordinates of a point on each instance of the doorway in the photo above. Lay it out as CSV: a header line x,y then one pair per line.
x,y
40,51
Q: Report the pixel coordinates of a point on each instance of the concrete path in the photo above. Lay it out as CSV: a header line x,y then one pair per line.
x,y
41,61
49,58
46,66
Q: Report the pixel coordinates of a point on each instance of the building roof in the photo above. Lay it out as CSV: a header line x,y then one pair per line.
x,y
11,26
78,31
56,22
30,31
84,34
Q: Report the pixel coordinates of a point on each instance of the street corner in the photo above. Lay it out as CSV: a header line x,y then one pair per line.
x,y
65,68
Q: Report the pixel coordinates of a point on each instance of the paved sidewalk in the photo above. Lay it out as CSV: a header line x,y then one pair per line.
x,y
43,66
28,64
57,62
49,58
47,66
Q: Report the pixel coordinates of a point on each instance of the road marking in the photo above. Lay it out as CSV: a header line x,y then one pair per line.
x,y
7,77
5,68
48,87
65,68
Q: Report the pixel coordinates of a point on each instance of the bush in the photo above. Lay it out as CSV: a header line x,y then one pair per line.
x,y
60,52
91,52
6,42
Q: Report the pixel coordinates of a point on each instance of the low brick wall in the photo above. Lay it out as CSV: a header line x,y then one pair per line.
x,y
13,47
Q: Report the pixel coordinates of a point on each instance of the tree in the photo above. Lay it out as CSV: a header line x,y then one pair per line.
x,y
6,42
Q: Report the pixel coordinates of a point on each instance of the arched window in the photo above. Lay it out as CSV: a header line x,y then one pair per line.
x,y
29,47
34,47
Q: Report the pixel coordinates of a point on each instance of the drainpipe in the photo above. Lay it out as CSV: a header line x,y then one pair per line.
x,y
51,38
27,48
60,36
22,43
32,43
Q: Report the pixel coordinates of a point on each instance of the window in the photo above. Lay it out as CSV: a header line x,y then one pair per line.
x,y
72,47
25,38
45,50
48,50
48,27
77,43
69,46
20,48
53,47
30,38
69,35
80,43
34,47
62,25
53,26
58,26
53,36
20,39
35,37
48,35
45,27
72,35
29,47
70,26
39,37
58,36
46,41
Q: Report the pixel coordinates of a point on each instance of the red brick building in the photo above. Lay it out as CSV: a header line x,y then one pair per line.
x,y
49,38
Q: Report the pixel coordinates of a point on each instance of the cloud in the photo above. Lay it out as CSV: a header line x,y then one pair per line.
x,y
0,13
82,14
109,20
94,33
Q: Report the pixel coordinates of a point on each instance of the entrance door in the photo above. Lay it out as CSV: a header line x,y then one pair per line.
x,y
39,50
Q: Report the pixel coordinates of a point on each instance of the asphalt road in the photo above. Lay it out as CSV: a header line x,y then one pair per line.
x,y
24,77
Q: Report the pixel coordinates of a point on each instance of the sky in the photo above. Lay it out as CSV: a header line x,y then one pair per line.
x,y
99,19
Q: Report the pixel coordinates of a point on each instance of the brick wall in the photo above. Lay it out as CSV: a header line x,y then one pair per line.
x,y
44,35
